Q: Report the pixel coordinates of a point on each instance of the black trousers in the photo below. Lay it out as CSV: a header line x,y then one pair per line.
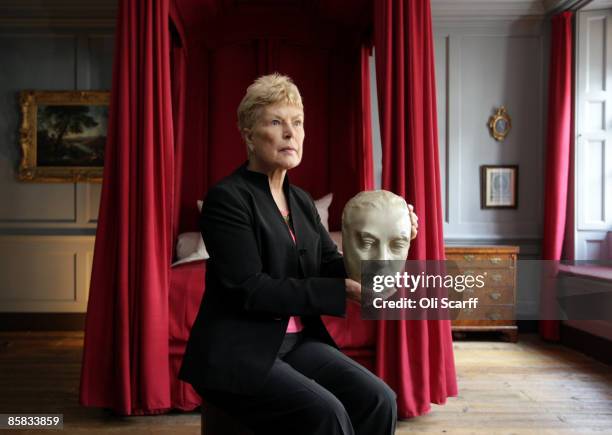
x,y
313,389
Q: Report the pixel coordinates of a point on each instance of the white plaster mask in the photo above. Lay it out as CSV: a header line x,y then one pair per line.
x,y
375,226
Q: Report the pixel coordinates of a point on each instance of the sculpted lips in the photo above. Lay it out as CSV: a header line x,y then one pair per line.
x,y
288,150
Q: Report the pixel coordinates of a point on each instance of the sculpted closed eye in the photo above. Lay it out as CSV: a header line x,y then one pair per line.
x,y
398,245
367,243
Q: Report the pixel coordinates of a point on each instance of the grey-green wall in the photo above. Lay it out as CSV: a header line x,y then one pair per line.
x,y
46,229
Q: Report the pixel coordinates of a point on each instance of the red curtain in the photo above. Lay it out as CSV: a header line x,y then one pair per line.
x,y
178,67
558,158
366,172
125,358
414,357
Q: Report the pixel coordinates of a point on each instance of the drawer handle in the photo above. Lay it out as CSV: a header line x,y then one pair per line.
x,y
496,277
468,257
493,316
495,260
495,296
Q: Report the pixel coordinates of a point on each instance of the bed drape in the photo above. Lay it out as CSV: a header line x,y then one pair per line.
x,y
173,134
125,356
414,357
557,201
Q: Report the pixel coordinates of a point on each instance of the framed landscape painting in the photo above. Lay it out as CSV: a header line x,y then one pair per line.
x,y
63,135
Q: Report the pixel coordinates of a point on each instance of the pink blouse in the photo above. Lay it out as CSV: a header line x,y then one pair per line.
x,y
295,323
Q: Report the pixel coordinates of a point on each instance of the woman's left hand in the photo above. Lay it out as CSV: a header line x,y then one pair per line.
x,y
414,221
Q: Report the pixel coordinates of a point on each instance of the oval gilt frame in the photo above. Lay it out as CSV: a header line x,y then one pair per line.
x,y
500,124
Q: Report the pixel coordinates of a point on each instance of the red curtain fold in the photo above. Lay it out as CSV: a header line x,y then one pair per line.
x,y
178,59
414,357
557,202
125,358
366,172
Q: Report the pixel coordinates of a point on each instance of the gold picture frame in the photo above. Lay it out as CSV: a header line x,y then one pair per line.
x,y
63,136
500,124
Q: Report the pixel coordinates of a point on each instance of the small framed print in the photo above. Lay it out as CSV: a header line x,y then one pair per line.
x,y
499,186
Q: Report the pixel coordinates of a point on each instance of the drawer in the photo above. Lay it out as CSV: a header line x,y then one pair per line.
x,y
493,278
482,260
487,312
499,278
500,295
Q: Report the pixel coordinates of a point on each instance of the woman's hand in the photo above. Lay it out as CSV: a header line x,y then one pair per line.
x,y
414,221
353,290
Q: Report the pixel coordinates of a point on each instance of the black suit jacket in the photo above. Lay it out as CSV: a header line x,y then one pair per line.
x,y
256,278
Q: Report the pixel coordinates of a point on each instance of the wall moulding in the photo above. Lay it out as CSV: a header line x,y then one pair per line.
x,y
19,25
499,18
16,15
492,9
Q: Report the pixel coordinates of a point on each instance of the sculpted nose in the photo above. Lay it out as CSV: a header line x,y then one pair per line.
x,y
385,255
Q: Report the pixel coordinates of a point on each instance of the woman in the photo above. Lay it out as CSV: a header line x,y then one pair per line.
x,y
258,348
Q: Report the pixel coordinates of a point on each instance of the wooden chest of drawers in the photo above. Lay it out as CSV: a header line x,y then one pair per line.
x,y
497,299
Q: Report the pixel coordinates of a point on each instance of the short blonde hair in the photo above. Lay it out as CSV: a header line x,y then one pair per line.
x,y
266,90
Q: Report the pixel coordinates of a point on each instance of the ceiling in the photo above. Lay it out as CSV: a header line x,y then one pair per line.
x,y
104,11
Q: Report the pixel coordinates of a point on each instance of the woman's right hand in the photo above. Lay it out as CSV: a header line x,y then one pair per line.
x,y
353,290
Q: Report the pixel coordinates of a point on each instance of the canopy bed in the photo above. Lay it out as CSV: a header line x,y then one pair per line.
x,y
180,69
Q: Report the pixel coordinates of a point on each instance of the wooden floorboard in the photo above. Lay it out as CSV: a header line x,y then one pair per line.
x,y
529,387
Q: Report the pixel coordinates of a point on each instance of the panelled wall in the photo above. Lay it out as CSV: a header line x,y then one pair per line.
x,y
46,230
480,67
486,59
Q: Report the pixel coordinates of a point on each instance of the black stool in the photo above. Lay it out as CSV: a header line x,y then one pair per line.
x,y
217,422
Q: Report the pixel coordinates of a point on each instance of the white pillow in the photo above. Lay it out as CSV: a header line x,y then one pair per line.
x,y
322,205
336,236
190,247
